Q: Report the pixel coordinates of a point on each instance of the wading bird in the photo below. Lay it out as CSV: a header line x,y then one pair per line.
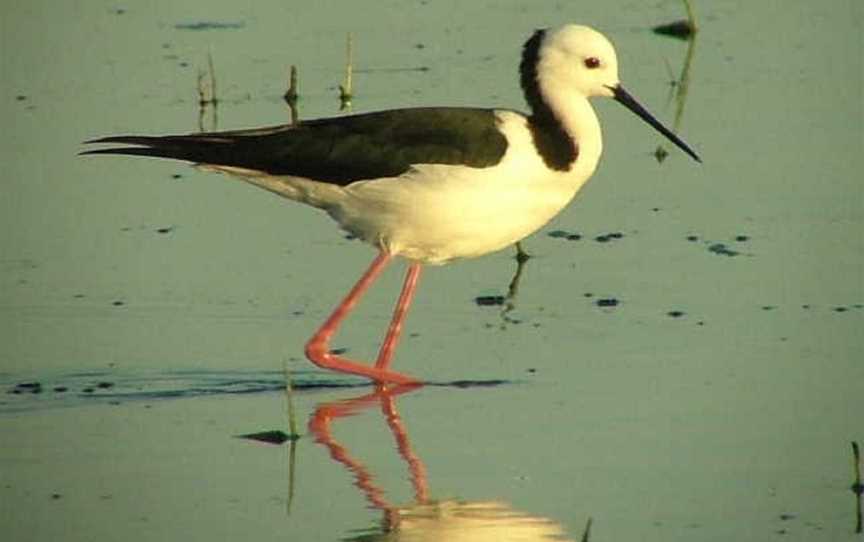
x,y
430,184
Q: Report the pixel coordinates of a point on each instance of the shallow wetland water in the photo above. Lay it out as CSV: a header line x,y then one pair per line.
x,y
679,359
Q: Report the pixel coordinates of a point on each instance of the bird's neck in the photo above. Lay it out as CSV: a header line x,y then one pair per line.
x,y
576,118
563,124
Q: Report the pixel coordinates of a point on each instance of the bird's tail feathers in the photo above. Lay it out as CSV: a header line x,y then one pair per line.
x,y
192,148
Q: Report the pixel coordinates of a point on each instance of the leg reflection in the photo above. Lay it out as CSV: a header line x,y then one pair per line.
x,y
320,427
425,518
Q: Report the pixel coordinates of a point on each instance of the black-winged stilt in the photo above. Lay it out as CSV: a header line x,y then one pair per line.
x,y
429,184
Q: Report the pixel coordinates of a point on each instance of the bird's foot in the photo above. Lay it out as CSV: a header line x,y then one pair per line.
x,y
319,353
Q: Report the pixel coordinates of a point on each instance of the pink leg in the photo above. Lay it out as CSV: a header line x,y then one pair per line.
x,y
385,355
318,347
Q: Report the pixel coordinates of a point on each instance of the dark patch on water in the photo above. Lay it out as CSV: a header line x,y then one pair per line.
x,y
606,237
75,389
270,437
114,387
681,29
210,25
575,236
566,235
489,300
722,249
27,387
469,383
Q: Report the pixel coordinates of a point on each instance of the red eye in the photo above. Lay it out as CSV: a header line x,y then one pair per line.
x,y
592,62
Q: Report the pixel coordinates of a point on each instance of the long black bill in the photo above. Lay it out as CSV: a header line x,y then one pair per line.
x,y
624,98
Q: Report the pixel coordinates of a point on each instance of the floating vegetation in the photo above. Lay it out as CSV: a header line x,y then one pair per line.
x,y
346,89
508,302
208,100
292,95
857,486
660,154
586,534
684,30
207,83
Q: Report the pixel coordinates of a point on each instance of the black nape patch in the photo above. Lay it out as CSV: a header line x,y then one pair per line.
x,y
556,147
553,143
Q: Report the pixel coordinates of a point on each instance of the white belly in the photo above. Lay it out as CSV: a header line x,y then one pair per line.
x,y
440,213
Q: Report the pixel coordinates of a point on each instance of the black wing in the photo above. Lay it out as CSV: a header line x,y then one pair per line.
x,y
338,150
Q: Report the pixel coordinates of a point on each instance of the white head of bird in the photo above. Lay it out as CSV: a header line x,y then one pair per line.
x,y
580,59
574,62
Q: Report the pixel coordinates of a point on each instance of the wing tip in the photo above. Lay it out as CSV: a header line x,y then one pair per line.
x,y
112,150
141,145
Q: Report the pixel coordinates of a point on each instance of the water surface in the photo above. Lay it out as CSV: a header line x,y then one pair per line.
x,y
683,356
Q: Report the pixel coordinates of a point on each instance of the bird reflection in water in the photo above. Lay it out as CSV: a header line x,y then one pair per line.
x,y
427,519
